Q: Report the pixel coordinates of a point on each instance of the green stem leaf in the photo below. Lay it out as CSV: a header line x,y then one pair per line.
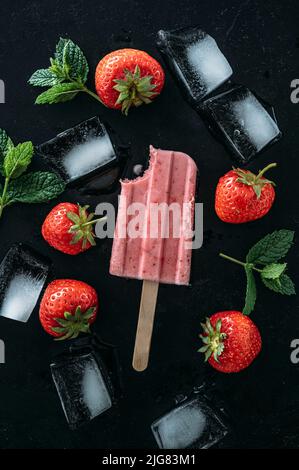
x,y
234,260
94,95
262,172
250,298
3,197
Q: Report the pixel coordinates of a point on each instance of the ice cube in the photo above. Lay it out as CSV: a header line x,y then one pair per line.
x,y
85,154
195,60
106,354
84,158
83,386
23,273
242,121
192,424
94,391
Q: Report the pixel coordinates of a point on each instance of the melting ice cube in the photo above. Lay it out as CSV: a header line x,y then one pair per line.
x,y
242,121
195,60
191,424
94,391
85,153
85,158
23,273
83,387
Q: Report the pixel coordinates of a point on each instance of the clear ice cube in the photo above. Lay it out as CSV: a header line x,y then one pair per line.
x,y
86,154
23,273
86,157
242,121
192,424
83,387
195,60
106,354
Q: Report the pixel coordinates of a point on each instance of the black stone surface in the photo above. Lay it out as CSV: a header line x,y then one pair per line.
x,y
260,40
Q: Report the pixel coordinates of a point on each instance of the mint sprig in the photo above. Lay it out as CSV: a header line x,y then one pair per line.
x,y
19,186
263,258
66,76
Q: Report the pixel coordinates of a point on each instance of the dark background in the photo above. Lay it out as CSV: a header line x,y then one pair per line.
x,y
260,40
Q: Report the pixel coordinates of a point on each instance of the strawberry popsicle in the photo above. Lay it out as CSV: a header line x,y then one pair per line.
x,y
156,246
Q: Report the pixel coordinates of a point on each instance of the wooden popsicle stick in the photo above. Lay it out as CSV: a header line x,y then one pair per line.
x,y
145,325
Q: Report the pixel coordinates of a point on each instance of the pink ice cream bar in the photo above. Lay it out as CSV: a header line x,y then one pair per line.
x,y
155,246
161,253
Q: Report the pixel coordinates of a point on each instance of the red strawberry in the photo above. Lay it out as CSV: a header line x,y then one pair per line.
x,y
242,196
67,308
231,341
68,228
128,77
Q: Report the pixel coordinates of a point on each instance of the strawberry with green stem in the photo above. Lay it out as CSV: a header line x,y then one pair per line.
x,y
68,308
128,77
231,341
241,196
69,228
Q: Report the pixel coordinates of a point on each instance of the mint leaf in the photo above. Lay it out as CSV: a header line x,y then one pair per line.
x,y
44,77
35,187
271,248
273,271
58,65
59,71
75,62
250,292
70,58
66,75
282,285
17,160
59,51
5,145
59,93
5,142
